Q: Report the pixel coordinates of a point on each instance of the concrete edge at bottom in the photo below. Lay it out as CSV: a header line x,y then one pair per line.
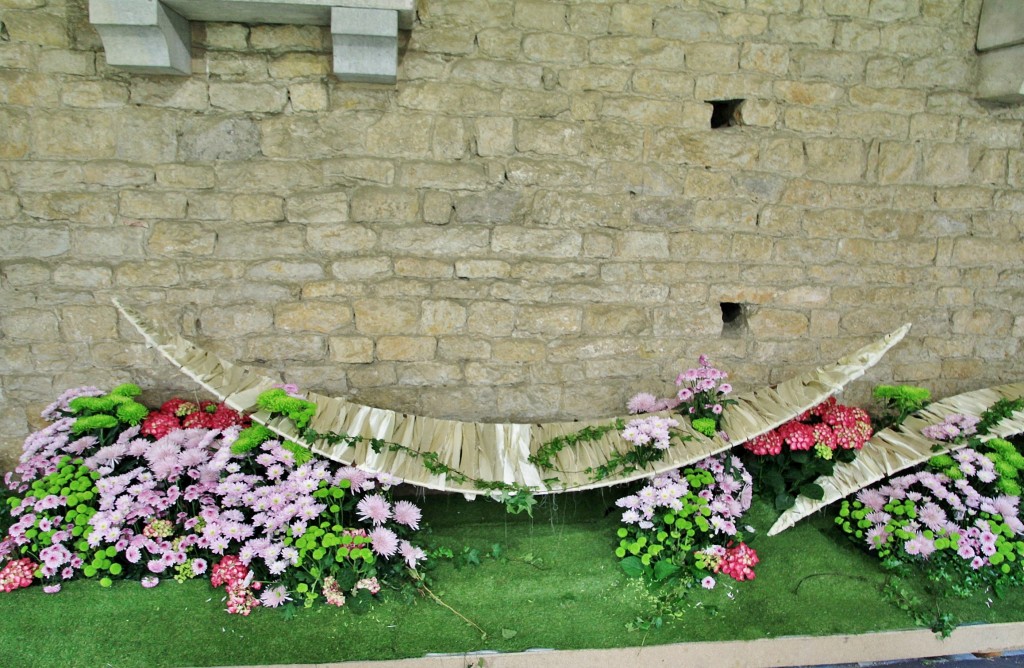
x,y
761,653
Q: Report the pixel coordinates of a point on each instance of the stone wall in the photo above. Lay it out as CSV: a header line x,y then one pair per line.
x,y
537,221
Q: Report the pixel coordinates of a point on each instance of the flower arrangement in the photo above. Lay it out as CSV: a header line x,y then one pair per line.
x,y
955,428
787,460
702,396
898,402
953,528
955,520
111,491
683,524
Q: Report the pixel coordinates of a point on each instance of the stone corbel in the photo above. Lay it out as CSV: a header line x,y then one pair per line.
x,y
155,36
143,36
1001,45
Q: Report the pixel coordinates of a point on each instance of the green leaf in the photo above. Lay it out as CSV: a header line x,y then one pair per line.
x,y
812,491
508,634
632,566
784,501
664,569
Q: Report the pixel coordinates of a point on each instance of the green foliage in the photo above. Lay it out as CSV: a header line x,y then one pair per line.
x,y
297,410
98,422
101,415
789,474
92,405
302,453
668,549
521,501
131,412
899,401
634,459
251,438
126,390
705,425
75,483
546,453
329,550
997,412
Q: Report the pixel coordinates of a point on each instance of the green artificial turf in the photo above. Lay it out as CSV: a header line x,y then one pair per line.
x,y
553,584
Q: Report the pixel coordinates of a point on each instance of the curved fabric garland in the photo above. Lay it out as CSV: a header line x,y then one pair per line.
x,y
898,448
499,452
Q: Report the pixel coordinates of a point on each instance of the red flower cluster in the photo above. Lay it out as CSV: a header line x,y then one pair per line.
x,y
181,414
230,571
739,561
829,424
16,574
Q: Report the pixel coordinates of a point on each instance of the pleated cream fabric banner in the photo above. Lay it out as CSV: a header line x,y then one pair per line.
x,y
499,452
896,449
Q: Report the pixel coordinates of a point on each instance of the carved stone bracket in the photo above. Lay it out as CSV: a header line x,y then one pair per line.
x,y
154,35
1001,45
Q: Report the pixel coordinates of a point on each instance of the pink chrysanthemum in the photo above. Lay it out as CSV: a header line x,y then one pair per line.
x,y
374,508
642,403
384,542
407,513
412,554
275,596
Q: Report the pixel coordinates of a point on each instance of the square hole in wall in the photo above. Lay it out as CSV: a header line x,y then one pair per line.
x,y
734,319
724,113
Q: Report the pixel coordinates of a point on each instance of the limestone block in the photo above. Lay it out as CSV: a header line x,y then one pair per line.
x,y
554,48
390,205
350,349
448,41
632,19
537,242
320,316
310,96
88,323
29,325
482,269
143,36
416,267
386,316
685,25
318,207
361,268
548,320
463,348
491,319
255,97
26,273
437,208
180,238
144,204
208,139
432,240
334,238
286,271
548,137
406,348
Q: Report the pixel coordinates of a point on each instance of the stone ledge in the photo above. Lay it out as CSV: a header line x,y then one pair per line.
x,y
763,653
154,35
